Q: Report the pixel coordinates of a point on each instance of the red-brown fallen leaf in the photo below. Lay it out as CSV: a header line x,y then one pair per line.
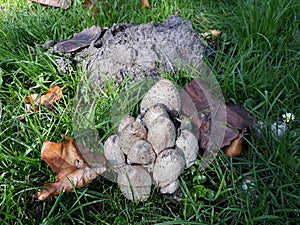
x,y
72,170
145,3
80,40
65,4
88,3
236,118
235,148
53,94
201,103
91,5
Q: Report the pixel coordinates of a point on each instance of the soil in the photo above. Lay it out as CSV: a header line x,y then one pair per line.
x,y
135,51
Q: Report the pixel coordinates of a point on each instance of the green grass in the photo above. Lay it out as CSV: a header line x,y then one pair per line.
x,y
256,62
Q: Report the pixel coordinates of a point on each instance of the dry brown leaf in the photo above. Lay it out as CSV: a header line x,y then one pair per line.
x,y
211,35
33,100
88,4
72,170
32,103
198,94
235,148
79,40
199,102
145,3
91,5
65,4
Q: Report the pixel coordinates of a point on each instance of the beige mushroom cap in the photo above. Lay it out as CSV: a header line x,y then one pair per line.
x,y
135,183
164,92
188,143
127,119
161,134
130,134
112,152
170,188
155,148
168,166
141,153
154,112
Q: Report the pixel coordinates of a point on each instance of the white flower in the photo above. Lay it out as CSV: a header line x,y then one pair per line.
x,y
247,184
288,117
278,128
249,187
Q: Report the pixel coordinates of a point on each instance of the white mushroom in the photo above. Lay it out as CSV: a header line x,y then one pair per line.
x,y
127,119
141,153
112,152
153,145
188,143
135,183
130,134
170,188
164,92
161,134
168,166
154,112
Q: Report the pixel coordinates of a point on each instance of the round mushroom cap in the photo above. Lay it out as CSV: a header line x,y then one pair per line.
x,y
168,166
188,144
112,152
154,112
161,134
165,92
170,188
130,134
127,119
141,153
135,183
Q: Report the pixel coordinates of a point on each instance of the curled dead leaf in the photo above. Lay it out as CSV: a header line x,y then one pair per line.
x,y
33,100
88,4
197,94
235,148
211,35
72,170
92,7
80,40
145,3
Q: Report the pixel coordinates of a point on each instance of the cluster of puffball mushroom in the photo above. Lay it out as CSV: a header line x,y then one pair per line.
x,y
154,148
